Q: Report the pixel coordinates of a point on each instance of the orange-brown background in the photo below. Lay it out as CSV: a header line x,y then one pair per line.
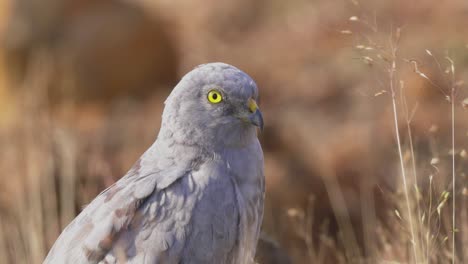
x,y
82,86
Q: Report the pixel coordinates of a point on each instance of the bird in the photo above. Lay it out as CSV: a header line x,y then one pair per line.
x,y
195,195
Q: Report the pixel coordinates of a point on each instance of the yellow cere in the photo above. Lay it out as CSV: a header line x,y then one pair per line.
x,y
252,104
214,97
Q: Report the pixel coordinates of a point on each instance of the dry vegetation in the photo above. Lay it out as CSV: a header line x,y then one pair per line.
x,y
366,133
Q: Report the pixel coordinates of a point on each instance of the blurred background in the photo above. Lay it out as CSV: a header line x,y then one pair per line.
x,y
82,86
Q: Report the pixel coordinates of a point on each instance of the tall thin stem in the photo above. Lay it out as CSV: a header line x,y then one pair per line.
x,y
400,152
452,105
453,173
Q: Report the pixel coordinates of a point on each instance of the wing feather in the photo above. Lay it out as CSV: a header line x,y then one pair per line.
x,y
94,232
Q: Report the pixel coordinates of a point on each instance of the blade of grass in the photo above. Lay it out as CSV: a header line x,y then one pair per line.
x,y
392,72
452,106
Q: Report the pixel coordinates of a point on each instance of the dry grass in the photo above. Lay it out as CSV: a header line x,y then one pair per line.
x,y
427,231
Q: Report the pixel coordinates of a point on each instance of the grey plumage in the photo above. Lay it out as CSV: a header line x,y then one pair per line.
x,y
195,196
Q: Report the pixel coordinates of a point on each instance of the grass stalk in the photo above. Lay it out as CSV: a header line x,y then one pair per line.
x,y
453,171
429,216
392,71
409,117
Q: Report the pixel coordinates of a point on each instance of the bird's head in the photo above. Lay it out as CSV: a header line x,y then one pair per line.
x,y
215,103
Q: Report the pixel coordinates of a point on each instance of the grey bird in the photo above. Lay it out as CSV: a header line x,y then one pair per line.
x,y
195,196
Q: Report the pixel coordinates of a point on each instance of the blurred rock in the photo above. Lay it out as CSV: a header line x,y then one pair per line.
x,y
270,252
99,50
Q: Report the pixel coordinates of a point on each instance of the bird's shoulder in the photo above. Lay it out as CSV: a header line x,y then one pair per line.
x,y
95,231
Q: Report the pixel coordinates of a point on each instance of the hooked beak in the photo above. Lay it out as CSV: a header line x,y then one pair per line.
x,y
255,117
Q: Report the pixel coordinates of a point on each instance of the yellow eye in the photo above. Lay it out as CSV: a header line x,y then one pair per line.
x,y
215,97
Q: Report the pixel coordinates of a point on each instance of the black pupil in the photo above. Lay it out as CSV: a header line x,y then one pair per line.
x,y
215,96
